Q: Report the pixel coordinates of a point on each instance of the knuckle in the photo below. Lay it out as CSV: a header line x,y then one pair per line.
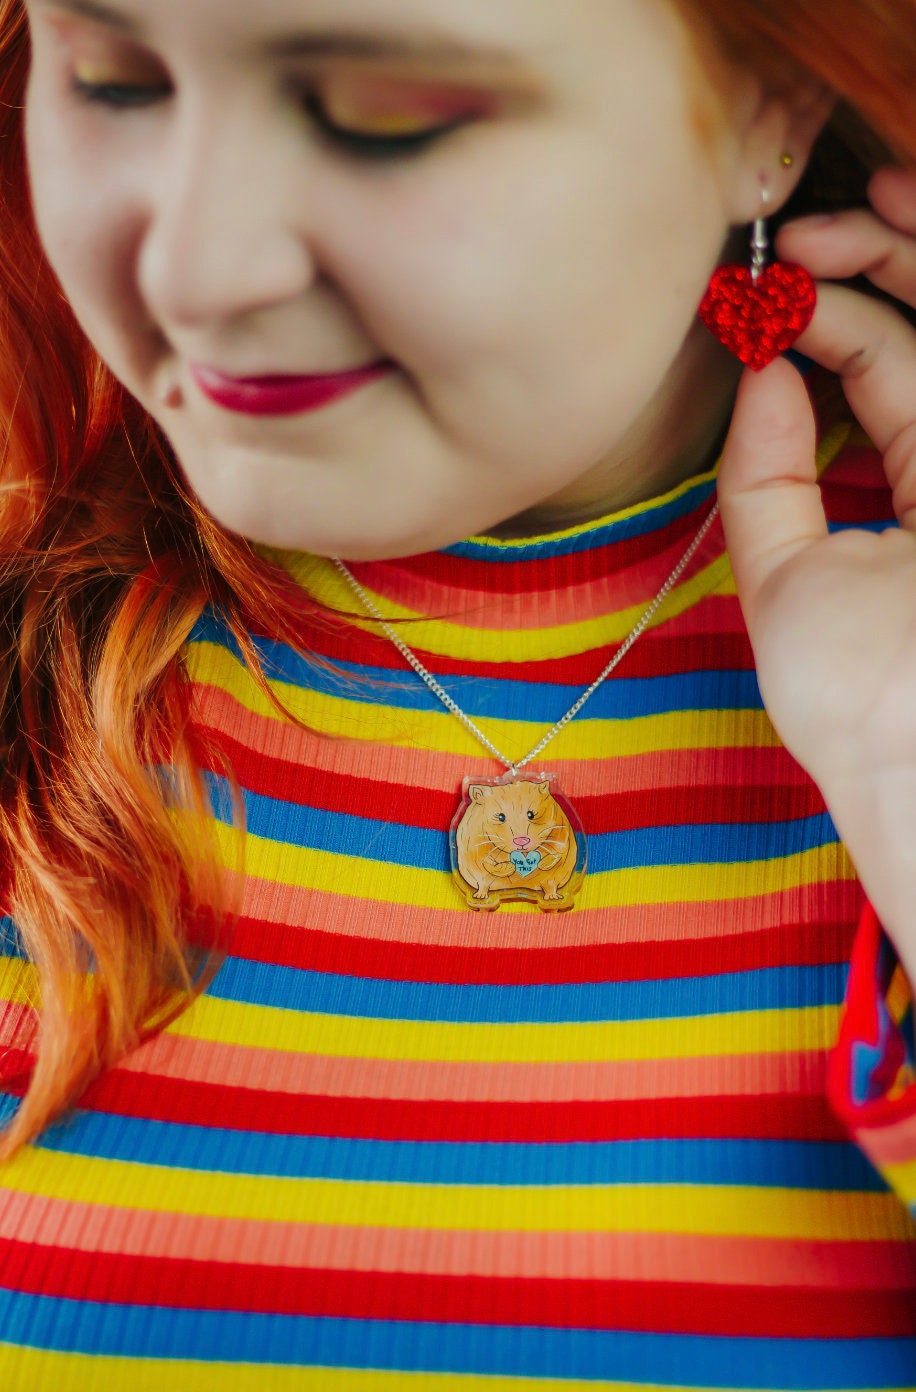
x,y
856,364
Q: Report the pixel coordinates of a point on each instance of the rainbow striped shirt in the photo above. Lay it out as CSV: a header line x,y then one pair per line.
x,y
401,1145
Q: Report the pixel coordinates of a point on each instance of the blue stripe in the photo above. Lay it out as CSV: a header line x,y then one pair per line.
x,y
624,698
290,988
771,988
833,1166
11,944
593,535
139,1331
876,527
364,838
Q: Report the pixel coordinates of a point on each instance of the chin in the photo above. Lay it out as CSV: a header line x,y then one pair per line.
x,y
294,530
327,508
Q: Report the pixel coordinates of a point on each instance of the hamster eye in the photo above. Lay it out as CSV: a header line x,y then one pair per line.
x,y
530,815
500,816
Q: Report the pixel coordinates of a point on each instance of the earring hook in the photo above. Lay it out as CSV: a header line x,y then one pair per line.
x,y
760,242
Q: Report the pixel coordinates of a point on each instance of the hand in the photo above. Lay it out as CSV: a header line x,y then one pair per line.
x,y
832,619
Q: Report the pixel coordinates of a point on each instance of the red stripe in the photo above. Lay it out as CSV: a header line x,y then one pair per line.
x,y
310,949
664,1307
154,1098
858,465
651,657
301,785
858,504
505,573
724,646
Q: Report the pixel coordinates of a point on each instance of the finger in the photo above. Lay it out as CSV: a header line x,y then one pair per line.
x,y
892,193
873,350
768,491
853,243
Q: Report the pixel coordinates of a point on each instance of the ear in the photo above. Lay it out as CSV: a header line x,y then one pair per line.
x,y
773,123
544,788
477,794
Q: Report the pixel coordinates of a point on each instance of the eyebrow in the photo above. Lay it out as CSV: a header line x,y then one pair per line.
x,y
91,9
328,43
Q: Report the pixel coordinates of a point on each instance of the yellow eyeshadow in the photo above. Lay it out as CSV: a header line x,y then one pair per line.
x,y
98,74
383,106
87,72
394,122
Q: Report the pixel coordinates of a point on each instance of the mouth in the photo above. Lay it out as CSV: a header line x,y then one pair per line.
x,y
284,395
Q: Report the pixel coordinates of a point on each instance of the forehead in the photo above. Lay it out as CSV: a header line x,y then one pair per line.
x,y
505,28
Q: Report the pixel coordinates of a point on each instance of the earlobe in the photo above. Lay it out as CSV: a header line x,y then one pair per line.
x,y
776,148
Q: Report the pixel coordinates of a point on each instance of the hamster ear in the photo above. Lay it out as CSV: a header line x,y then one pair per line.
x,y
544,788
477,794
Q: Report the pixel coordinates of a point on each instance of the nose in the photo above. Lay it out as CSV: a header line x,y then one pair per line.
x,y
222,236
522,842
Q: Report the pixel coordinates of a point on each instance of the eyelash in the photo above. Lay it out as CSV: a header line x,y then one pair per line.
x,y
126,97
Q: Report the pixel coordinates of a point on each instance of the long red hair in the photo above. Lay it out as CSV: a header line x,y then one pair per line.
x,y
107,561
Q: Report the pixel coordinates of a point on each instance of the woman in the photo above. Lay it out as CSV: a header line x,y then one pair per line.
x,y
445,1074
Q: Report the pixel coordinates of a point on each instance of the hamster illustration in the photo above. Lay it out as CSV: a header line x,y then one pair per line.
x,y
514,840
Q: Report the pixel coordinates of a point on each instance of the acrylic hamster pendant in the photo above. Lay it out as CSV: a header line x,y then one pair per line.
x,y
517,836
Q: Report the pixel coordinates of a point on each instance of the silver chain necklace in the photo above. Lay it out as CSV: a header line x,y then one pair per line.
x,y
514,837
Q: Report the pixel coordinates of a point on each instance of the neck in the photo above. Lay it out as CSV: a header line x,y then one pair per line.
x,y
680,433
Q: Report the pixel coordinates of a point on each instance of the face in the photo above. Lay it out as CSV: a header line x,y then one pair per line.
x,y
507,209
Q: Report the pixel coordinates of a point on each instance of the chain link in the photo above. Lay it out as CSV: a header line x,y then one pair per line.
x,y
514,766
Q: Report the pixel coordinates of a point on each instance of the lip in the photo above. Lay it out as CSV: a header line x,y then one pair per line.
x,y
283,395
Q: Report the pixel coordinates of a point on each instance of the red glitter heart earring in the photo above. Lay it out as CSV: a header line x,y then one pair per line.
x,y
759,313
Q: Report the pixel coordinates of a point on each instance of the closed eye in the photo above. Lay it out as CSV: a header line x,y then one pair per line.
x,y
125,95
370,145
128,96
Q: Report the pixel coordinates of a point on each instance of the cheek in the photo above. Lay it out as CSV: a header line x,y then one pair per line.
x,y
550,304
89,229
553,240
53,171
86,213
419,290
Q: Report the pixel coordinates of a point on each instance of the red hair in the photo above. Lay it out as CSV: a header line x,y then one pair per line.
x,y
107,561
863,50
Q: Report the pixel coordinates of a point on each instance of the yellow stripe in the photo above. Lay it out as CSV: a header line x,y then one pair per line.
x,y
340,1036
899,996
368,719
465,641
902,1178
41,1371
720,1210
841,434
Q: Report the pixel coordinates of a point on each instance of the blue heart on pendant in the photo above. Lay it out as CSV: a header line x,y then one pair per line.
x,y
525,864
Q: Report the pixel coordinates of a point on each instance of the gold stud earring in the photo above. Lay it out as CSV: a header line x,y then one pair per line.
x,y
787,160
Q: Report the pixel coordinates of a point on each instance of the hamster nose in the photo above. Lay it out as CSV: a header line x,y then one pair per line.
x,y
522,842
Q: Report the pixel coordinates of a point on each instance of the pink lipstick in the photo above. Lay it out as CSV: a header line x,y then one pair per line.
x,y
283,395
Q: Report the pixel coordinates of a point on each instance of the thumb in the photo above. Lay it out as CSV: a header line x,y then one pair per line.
x,y
768,491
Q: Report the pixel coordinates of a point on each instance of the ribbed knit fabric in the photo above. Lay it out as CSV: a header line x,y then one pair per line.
x,y
398,1144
